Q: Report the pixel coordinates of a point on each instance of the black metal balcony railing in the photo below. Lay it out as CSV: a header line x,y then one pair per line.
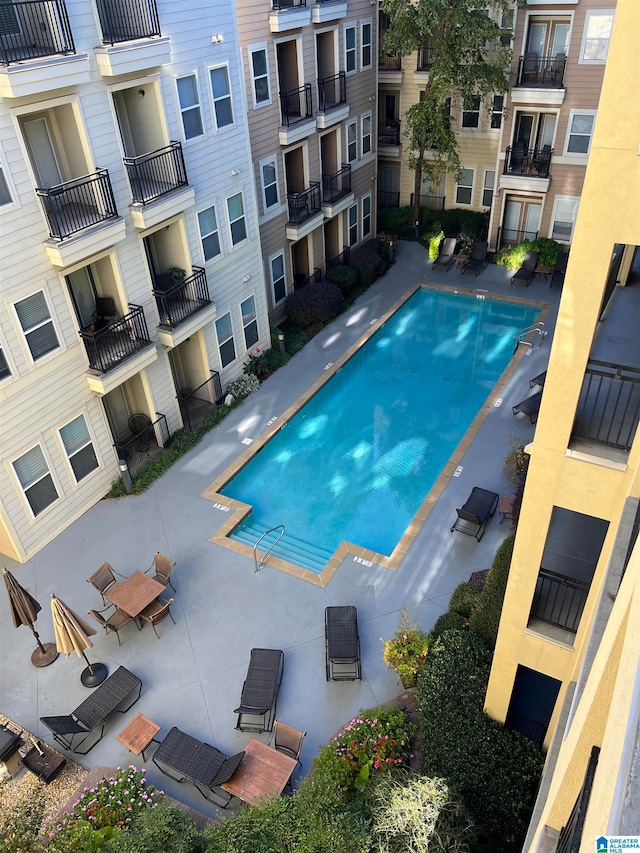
x,y
431,202
295,105
287,4
388,133
388,198
155,174
140,449
337,185
532,162
425,58
332,92
544,72
183,299
534,730
341,260
513,236
128,20
112,344
559,600
300,280
33,29
195,404
305,204
390,62
78,204
609,404
570,838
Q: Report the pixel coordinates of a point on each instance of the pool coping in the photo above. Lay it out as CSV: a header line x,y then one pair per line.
x,y
238,510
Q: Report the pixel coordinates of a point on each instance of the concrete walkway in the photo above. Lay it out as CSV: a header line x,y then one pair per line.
x,y
192,677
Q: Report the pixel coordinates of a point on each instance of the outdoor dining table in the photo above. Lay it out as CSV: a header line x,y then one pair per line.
x,y
134,594
262,773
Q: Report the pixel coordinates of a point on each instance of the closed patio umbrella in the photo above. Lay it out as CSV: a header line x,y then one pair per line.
x,y
72,634
24,611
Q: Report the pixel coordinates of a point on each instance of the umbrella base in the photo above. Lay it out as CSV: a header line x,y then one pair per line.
x,y
39,658
92,679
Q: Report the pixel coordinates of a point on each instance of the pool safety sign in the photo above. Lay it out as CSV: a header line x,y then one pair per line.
x,y
617,843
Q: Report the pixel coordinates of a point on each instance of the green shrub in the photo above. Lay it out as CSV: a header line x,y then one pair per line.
x,y
432,241
485,618
447,622
394,219
464,599
345,277
314,303
20,824
512,257
368,264
266,363
165,828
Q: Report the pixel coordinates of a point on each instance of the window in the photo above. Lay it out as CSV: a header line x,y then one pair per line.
x,y
365,34
464,187
366,215
580,131
5,192
189,106
235,208
565,209
269,179
224,331
595,40
507,24
260,76
349,49
278,284
487,187
471,112
37,483
366,135
209,236
352,142
496,111
249,321
37,325
79,447
353,225
221,96
5,370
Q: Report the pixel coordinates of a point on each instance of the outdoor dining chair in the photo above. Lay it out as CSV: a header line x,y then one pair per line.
x,y
103,579
114,622
289,741
156,612
162,566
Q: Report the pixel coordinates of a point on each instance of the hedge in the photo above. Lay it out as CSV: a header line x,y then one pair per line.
x,y
316,302
485,618
345,277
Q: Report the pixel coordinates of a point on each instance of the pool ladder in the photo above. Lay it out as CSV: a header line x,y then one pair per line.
x,y
538,330
257,568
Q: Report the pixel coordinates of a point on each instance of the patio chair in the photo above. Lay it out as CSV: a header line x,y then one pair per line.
x,y
445,257
529,68
560,269
156,612
105,312
139,424
289,741
103,579
476,513
530,406
342,643
542,160
517,157
478,261
114,622
527,270
257,708
185,759
162,566
557,68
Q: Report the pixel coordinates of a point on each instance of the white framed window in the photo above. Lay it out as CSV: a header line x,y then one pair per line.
x,y
595,38
37,324
353,225
249,322
366,215
35,479
221,90
5,368
580,131
189,101
464,187
226,345
471,113
79,447
497,106
350,49
6,197
506,23
352,142
209,233
269,184
237,222
365,44
366,134
563,218
260,82
278,281
487,187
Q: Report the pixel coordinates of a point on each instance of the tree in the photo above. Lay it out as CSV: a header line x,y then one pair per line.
x,y
468,60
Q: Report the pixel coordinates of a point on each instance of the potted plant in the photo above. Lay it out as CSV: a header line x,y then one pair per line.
x,y
407,650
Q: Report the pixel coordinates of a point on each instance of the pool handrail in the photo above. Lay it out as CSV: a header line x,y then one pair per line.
x,y
539,331
257,568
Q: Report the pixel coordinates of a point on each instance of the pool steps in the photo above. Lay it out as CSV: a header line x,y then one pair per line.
x,y
288,548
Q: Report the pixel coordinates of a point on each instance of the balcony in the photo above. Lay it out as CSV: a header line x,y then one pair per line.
x,y
526,168
609,405
305,213
425,58
388,198
390,68
145,445
328,10
540,79
159,185
296,113
332,100
559,600
131,37
197,403
389,136
288,15
36,35
431,202
336,192
181,307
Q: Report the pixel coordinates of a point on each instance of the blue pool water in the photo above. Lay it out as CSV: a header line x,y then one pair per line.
x,y
356,462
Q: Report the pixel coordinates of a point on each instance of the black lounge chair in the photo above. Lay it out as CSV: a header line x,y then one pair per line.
x,y
342,644
185,759
560,269
478,261
529,407
260,691
447,251
476,513
527,270
538,380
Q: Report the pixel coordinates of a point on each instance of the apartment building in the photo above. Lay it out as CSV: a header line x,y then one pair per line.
x,y
310,74
132,281
566,666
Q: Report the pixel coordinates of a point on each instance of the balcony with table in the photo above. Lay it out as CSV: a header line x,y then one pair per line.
x,y
131,38
540,79
526,169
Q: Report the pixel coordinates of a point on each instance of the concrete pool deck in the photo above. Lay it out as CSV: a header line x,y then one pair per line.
x,y
192,677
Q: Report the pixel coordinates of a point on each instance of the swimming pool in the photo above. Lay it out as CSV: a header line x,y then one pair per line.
x,y
358,459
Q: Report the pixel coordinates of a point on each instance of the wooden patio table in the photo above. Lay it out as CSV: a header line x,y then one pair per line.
x,y
134,594
138,734
262,773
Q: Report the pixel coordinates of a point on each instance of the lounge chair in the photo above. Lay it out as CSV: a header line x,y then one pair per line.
x,y
185,759
478,510
529,407
260,691
527,270
538,380
478,261
342,644
447,251
560,269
